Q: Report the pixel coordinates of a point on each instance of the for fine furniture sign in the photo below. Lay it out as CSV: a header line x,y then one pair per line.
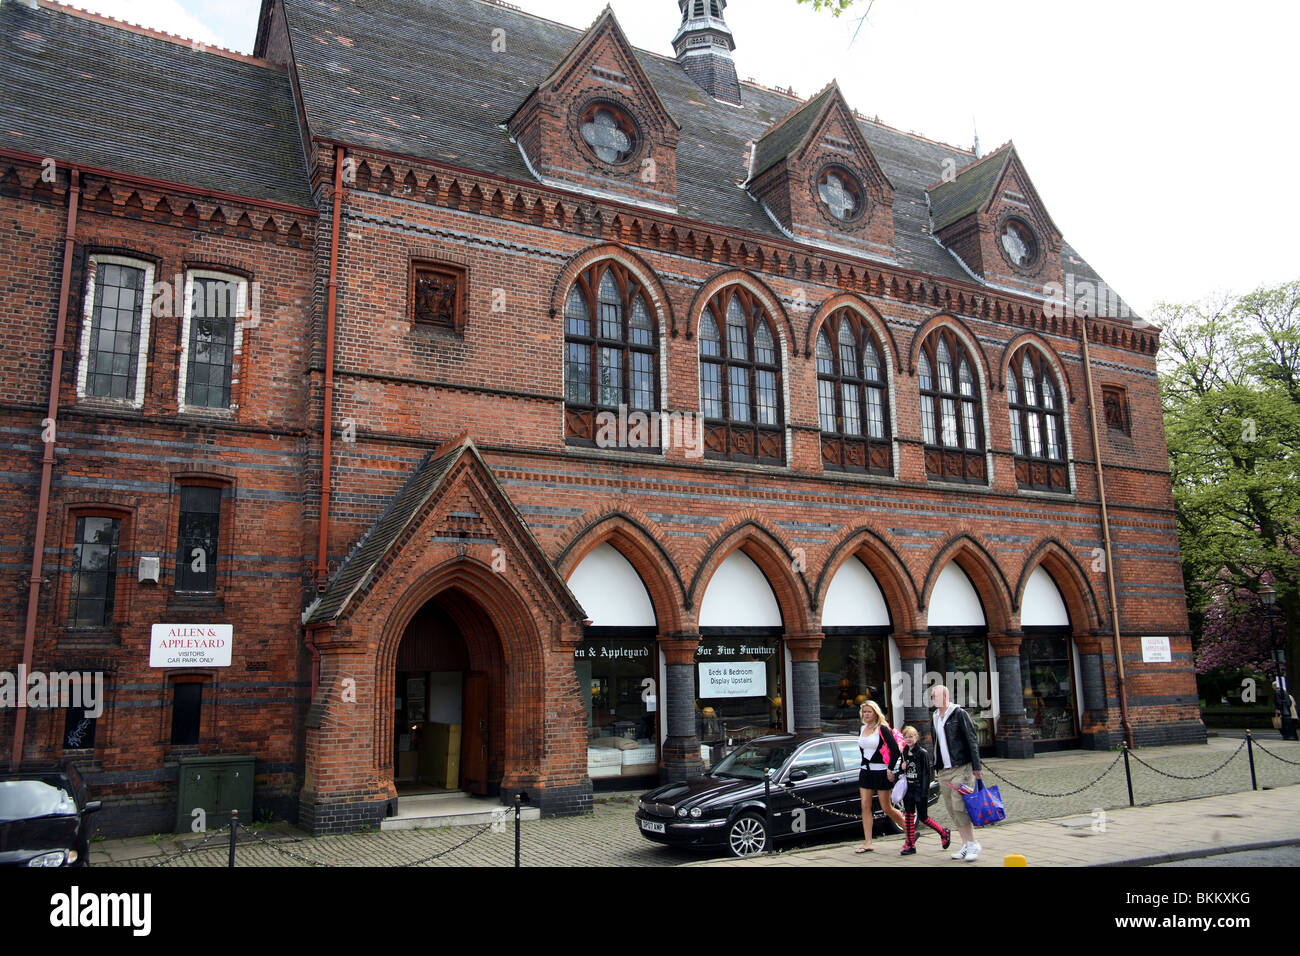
x,y
733,679
1155,650
191,645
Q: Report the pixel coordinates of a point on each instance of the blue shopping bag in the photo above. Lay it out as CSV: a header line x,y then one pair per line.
x,y
984,805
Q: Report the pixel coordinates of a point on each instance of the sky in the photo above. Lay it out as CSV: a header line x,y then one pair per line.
x,y
1160,135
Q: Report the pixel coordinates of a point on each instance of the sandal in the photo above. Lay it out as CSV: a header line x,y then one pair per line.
x,y
863,849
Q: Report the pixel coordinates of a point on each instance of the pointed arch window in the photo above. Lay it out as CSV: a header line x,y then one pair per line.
x,y
852,396
1037,424
611,354
951,410
740,379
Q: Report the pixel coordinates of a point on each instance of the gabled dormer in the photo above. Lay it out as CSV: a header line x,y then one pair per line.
x,y
992,218
817,178
596,124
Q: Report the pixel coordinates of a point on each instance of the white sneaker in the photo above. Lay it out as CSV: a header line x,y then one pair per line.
x,y
961,854
972,852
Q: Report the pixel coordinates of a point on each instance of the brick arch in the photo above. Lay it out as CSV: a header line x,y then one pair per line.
x,y
656,295
773,557
1048,352
983,571
643,550
1068,575
963,332
518,641
771,301
869,315
885,565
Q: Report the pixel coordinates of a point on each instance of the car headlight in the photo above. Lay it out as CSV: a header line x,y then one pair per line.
x,y
48,859
681,811
696,812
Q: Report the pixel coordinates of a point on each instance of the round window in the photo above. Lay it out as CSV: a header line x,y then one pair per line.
x,y
840,193
609,133
1018,243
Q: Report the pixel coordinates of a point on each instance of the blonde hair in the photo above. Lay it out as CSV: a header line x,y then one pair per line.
x,y
910,729
880,714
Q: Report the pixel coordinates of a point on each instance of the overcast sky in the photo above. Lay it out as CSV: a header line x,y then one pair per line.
x,y
1161,135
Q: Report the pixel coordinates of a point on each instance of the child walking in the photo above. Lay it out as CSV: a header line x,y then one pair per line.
x,y
919,770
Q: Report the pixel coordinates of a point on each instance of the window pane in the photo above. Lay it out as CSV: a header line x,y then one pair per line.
x,y
1017,439
927,420
737,333
949,423
94,577
641,330
576,319
826,405
871,363
1049,391
739,393
875,412
945,367
968,425
764,349
1035,439
1053,439
187,701
610,377
196,558
710,339
643,381
848,352
213,308
115,331
1027,376
825,358
577,374
611,308
923,372
852,417
967,381
766,383
1013,387
711,390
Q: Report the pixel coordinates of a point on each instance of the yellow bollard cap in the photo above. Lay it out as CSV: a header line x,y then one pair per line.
x,y
1014,859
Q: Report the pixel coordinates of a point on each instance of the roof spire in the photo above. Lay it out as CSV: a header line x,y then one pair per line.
x,y
703,45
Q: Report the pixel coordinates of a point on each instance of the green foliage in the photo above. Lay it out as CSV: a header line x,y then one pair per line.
x,y
836,7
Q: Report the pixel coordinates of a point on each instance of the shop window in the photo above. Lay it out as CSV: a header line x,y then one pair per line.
x,y
199,534
94,572
852,669
1046,672
437,295
616,671
1037,425
951,410
611,352
852,396
740,379
210,337
738,688
187,708
960,657
115,330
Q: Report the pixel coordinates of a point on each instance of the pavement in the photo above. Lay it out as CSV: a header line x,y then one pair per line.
x,y
1064,799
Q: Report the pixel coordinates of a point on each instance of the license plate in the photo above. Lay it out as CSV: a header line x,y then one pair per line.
x,y
650,826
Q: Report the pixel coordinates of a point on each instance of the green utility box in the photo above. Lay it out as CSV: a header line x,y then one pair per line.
x,y
216,785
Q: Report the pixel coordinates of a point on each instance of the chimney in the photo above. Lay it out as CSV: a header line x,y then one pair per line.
x,y
703,45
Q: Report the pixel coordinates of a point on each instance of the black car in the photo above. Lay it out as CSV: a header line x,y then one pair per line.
x,y
814,789
44,819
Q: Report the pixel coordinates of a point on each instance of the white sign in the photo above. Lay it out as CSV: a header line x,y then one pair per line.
x,y
733,679
1155,650
191,645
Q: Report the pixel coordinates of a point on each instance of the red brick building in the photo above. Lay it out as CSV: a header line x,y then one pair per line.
x,y
654,410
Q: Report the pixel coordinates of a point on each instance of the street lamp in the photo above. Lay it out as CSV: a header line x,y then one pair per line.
x,y
1288,724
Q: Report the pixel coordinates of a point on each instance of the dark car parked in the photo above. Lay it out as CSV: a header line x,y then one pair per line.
x,y
814,789
44,819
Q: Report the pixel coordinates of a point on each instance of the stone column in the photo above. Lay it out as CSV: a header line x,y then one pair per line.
x,y
1012,737
916,702
805,693
1093,734
681,751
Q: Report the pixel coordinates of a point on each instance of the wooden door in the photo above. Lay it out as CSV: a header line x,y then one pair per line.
x,y
474,733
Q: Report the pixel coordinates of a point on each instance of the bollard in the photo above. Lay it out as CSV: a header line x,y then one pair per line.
x,y
234,828
517,797
1128,775
1250,754
767,808
1014,859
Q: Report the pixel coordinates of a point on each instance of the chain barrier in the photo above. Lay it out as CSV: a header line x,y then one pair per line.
x,y
1068,793
185,850
473,836
814,806
1199,776
1259,746
258,838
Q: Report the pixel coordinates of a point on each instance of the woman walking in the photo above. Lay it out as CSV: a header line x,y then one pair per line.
x,y
881,757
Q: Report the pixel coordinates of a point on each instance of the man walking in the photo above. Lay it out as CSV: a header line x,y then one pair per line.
x,y
956,761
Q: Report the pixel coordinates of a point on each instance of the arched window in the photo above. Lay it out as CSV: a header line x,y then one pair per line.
x,y
611,352
852,396
740,379
951,416
1037,426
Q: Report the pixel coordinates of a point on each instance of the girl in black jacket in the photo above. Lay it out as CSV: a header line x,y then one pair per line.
x,y
919,770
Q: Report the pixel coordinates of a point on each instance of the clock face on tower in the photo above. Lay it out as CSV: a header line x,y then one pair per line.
x,y
1018,243
840,193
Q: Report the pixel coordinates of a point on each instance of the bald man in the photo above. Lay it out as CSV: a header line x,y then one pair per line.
x,y
956,760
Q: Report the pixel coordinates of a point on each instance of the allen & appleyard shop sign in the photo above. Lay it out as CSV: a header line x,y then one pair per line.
x,y
191,645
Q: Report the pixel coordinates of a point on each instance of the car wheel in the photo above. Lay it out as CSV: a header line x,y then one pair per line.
x,y
747,835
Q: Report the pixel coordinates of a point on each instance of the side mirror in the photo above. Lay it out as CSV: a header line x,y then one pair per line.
x,y
796,776
92,806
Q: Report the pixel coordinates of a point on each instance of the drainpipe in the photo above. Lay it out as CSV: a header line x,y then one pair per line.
x,y
1105,537
47,463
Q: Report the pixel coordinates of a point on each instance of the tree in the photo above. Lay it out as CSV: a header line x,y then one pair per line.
x,y
1230,383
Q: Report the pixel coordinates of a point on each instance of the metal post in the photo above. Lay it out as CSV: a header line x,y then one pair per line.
x,y
1128,775
517,818
1250,753
767,807
234,829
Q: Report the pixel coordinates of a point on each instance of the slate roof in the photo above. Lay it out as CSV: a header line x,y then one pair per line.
x,y
970,189
788,134
82,91
421,486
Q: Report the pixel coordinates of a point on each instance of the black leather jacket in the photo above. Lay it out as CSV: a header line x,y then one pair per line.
x,y
963,742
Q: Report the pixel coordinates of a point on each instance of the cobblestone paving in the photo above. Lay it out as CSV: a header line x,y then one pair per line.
x,y
608,837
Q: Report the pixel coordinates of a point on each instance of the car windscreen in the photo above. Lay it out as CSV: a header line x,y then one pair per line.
x,y
752,760
24,799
